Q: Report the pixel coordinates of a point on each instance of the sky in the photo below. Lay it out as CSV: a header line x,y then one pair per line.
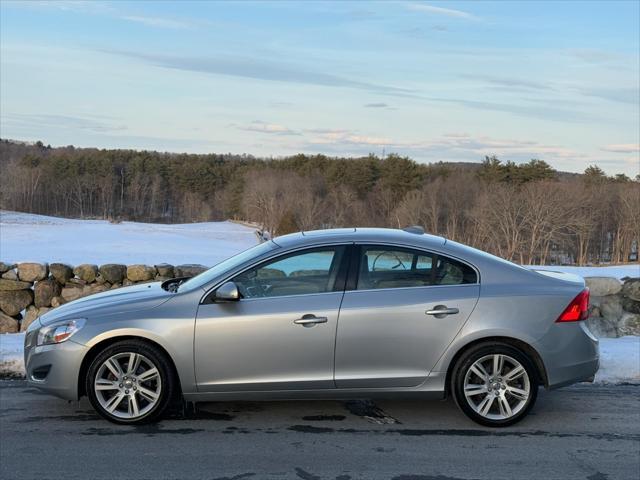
x,y
435,81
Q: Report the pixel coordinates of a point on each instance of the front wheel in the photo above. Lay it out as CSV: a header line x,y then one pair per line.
x,y
494,384
130,382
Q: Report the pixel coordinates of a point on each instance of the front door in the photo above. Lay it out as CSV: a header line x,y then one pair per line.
x,y
281,334
405,309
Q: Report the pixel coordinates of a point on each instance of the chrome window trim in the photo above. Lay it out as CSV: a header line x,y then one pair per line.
x,y
414,288
278,253
243,300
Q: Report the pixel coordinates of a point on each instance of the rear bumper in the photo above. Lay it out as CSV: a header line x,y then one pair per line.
x,y
54,368
583,372
570,353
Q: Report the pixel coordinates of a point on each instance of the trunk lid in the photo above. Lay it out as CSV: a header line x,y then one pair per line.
x,y
567,277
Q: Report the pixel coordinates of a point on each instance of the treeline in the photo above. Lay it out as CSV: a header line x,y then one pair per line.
x,y
524,212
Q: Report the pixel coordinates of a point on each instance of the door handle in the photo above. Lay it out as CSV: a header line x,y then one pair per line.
x,y
310,320
440,311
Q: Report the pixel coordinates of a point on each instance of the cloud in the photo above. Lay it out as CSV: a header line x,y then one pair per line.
x,y
263,127
456,147
448,12
258,69
473,148
281,104
96,7
325,130
79,6
621,95
484,145
594,55
92,124
534,110
376,105
345,137
456,135
614,94
622,148
157,22
361,14
509,82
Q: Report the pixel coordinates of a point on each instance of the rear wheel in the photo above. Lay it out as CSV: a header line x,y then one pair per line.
x,y
130,382
494,384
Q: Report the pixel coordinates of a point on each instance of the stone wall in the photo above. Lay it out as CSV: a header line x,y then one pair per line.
x,y
27,290
614,309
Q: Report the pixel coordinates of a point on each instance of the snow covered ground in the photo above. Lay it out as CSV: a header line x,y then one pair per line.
x,y
11,355
619,358
38,238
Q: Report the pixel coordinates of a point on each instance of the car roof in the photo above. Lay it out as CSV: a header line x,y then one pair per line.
x,y
411,236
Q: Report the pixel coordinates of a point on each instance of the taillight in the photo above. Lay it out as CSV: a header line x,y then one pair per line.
x,y
578,309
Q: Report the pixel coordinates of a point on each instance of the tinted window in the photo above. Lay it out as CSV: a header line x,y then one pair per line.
x,y
306,272
395,267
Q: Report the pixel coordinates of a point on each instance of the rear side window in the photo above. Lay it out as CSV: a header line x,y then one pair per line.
x,y
453,272
397,267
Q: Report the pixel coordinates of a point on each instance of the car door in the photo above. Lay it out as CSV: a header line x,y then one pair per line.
x,y
280,335
402,308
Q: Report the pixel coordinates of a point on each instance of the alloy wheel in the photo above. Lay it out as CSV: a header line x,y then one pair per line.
x,y
497,387
128,385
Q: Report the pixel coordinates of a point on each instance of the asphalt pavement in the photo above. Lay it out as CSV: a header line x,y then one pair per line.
x,y
583,432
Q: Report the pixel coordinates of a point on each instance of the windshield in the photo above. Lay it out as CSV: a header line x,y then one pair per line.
x,y
226,265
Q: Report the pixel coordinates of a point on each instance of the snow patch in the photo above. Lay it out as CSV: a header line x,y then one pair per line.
x,y
39,238
12,355
619,360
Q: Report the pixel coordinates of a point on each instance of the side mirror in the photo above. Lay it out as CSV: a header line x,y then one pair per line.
x,y
227,292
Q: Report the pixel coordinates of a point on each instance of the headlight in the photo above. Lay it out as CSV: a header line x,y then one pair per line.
x,y
59,332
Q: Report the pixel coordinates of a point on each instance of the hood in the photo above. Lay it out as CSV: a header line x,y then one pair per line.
x,y
126,299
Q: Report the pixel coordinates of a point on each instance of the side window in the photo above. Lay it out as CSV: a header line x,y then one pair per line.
x,y
391,267
388,260
300,273
424,262
453,272
397,267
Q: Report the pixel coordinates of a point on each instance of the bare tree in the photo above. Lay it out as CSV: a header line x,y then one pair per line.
x,y
263,198
544,215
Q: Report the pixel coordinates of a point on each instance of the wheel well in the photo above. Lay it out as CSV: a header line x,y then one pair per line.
x,y
98,347
519,344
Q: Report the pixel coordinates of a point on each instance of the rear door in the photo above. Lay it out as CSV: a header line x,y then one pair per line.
x,y
402,308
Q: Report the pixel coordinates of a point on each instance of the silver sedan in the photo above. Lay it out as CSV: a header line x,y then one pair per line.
x,y
326,314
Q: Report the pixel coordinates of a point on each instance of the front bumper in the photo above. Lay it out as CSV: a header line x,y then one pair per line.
x,y
54,368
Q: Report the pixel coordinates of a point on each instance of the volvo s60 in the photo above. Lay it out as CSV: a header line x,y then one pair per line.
x,y
329,314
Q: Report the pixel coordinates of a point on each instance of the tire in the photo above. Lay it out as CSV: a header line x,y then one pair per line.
x,y
490,400
131,394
